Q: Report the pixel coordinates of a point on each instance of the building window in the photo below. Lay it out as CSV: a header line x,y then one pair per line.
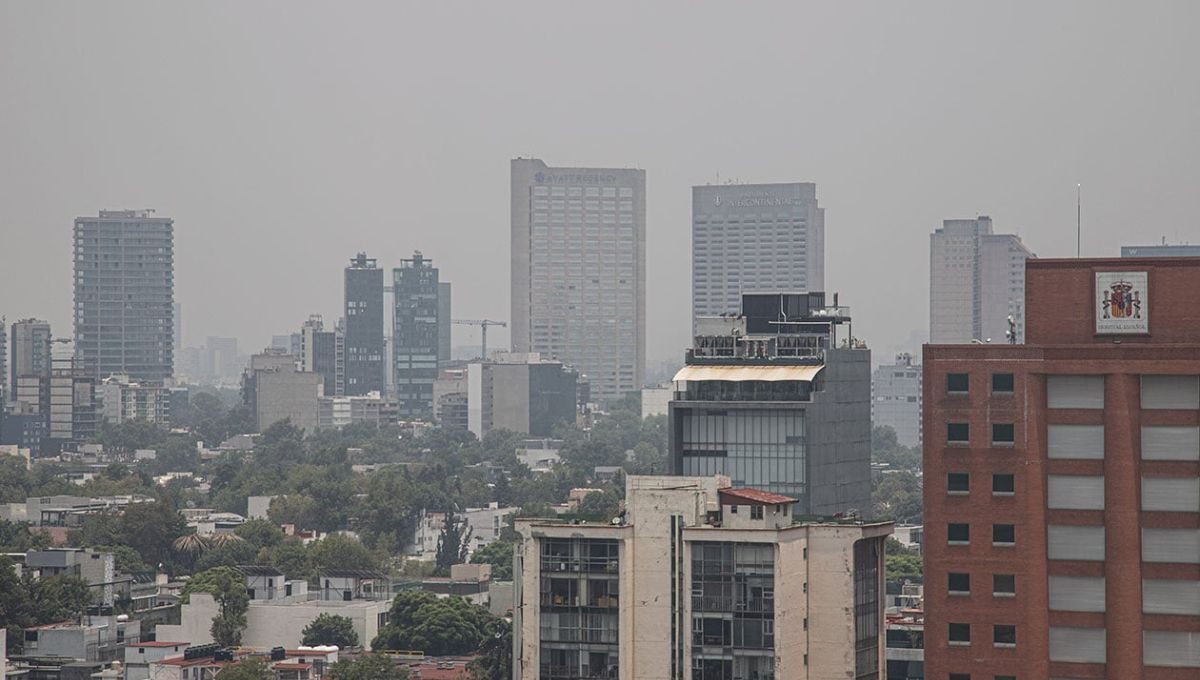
x,y
958,433
1003,534
958,533
1004,585
958,483
1002,383
960,676
1003,484
1004,635
1004,677
959,584
960,634
957,383
1002,434
756,512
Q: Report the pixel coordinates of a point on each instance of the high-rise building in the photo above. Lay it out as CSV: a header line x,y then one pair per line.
x,y
72,409
1062,482
322,351
775,400
976,281
275,389
896,399
754,237
521,393
124,401
1162,250
416,337
579,271
365,364
177,314
444,321
30,351
4,380
699,579
124,295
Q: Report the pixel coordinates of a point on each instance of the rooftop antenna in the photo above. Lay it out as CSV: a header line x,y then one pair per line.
x,y
1079,221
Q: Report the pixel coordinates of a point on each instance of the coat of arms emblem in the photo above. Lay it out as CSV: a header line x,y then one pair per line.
x,y
1123,301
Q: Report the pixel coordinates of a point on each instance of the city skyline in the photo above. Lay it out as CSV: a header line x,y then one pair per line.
x,y
882,192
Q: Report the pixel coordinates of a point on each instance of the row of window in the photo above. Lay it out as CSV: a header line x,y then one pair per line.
x,y
1003,635
960,383
959,434
967,676
1171,392
959,483
959,533
1003,585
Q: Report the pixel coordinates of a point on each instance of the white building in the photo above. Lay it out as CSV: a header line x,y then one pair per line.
x,y
579,271
485,525
125,400
754,237
896,399
656,596
976,280
539,455
656,400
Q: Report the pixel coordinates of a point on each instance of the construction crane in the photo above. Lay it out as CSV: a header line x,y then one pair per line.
x,y
483,326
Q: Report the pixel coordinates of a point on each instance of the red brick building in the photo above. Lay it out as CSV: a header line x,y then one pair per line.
x,y
1062,482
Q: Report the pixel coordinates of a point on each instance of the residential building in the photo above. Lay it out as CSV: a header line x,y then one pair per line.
x,y
365,365
775,400
519,392
70,511
539,455
4,380
93,638
276,618
72,410
139,656
337,412
30,347
415,339
976,282
450,408
896,399
324,352
286,393
753,237
1062,492
1161,250
123,400
271,359
124,295
445,320
701,580
579,271
484,525
96,567
656,400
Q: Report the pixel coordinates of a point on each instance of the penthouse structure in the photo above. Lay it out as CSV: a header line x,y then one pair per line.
x,y
1062,482
699,579
773,398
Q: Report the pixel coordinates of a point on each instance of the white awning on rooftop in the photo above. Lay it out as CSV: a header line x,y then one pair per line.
x,y
748,373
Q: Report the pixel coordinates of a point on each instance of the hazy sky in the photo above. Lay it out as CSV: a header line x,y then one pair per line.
x,y
284,137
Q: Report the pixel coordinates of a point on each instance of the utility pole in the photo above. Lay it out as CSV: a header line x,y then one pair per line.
x,y
1078,218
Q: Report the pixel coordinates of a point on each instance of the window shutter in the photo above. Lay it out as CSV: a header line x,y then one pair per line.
x,y
1171,494
1077,593
1171,392
1075,492
1170,597
1075,391
1169,648
1075,542
1075,441
1080,645
1180,546
1160,442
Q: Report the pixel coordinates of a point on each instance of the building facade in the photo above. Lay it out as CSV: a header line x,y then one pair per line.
x,y
896,399
123,400
976,281
519,392
366,368
579,271
699,580
772,399
125,295
445,319
30,346
1162,250
754,237
1062,492
416,337
323,351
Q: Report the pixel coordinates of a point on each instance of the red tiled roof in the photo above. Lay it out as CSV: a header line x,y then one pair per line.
x,y
755,496
291,666
185,663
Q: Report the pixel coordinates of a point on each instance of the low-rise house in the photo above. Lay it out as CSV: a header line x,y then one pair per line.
x,y
139,656
93,638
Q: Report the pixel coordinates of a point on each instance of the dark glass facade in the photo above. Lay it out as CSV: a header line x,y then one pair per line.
x,y
866,608
415,284
579,602
733,611
758,447
366,370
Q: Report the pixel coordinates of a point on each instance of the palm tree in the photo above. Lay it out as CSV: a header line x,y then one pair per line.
x,y
190,545
222,540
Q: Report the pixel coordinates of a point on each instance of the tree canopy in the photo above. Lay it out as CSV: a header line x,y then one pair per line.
x,y
228,588
437,626
330,629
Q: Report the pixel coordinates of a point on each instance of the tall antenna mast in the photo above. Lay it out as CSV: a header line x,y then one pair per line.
x,y
1079,222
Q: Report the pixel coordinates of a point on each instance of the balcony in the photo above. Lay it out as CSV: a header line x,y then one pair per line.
x,y
732,604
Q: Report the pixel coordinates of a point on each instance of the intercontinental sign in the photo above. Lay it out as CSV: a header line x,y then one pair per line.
x,y
761,199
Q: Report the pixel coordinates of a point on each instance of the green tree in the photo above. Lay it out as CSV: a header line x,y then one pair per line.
x,y
900,568
330,629
368,667
386,513
897,495
495,653
59,597
228,553
260,533
499,554
339,551
453,544
150,529
251,668
439,627
293,508
291,557
886,448
603,505
228,588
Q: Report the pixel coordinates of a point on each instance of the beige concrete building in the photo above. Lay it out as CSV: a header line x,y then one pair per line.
x,y
699,580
